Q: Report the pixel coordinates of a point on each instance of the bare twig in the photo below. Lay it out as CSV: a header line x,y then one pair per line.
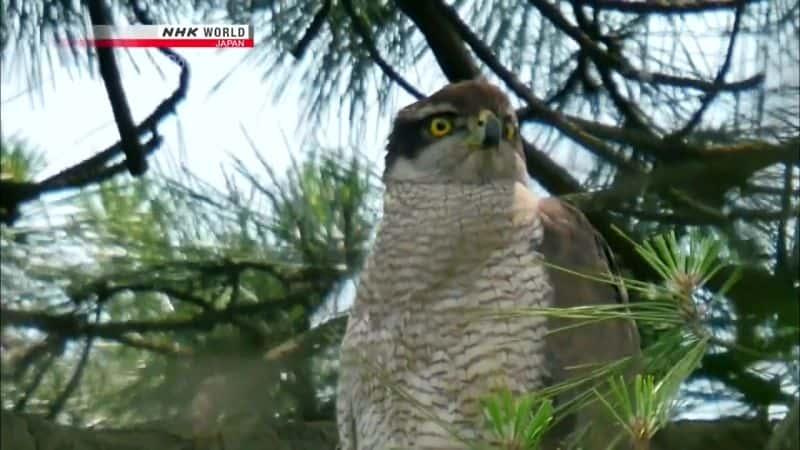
x,y
634,117
60,401
719,80
624,68
19,406
51,346
129,138
573,80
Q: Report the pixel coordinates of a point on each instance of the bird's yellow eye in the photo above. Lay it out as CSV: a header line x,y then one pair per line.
x,y
510,131
440,126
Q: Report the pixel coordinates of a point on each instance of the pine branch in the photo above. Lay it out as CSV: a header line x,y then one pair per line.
x,y
60,401
447,47
634,117
623,66
312,31
41,371
719,80
134,156
363,31
96,168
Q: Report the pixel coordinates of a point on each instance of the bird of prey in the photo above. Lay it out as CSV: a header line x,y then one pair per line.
x,y
459,250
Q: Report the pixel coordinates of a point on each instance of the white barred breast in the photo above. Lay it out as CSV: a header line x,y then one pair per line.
x,y
421,348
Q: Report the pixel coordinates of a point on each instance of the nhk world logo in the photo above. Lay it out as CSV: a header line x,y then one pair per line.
x,y
154,36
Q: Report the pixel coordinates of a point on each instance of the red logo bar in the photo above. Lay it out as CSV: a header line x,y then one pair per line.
x,y
175,43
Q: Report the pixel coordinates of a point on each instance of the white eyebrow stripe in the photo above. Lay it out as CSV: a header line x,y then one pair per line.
x,y
427,110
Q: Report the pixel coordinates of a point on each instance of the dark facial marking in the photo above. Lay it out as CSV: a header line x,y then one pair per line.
x,y
406,139
409,136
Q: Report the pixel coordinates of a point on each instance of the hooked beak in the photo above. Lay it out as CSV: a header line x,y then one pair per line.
x,y
488,130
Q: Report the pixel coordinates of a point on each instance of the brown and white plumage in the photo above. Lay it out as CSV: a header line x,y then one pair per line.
x,y
461,232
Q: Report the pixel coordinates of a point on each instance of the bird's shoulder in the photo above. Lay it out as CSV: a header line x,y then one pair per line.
x,y
571,242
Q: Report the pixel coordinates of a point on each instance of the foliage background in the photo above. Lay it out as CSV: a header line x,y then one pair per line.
x,y
168,299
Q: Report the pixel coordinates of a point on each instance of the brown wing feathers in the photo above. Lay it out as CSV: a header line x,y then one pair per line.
x,y
572,243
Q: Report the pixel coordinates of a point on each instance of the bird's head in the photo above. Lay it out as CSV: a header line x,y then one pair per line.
x,y
466,132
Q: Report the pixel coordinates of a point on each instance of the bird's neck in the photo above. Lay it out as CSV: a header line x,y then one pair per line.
x,y
447,233
459,208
